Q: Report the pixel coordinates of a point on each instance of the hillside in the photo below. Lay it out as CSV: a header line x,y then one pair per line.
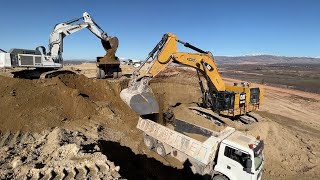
x,y
265,59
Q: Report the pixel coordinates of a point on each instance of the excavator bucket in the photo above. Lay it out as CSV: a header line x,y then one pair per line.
x,y
110,47
112,43
140,99
106,45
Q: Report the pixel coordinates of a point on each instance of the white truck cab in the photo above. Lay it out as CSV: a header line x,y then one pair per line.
x,y
240,157
228,154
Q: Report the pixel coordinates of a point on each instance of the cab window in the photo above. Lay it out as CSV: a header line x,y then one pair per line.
x,y
236,155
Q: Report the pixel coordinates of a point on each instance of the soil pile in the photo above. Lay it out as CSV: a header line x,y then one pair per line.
x,y
40,104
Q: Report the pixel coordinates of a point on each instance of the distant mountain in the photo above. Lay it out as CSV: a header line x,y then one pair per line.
x,y
127,59
247,59
77,61
265,59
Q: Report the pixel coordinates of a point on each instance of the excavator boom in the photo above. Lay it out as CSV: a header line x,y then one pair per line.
x,y
139,96
65,29
202,61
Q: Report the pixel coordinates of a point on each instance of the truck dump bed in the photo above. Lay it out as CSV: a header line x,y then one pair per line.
x,y
196,132
201,151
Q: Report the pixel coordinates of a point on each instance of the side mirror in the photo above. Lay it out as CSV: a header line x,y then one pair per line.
x,y
248,166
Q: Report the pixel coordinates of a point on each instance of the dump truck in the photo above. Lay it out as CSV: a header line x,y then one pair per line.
x,y
228,154
109,65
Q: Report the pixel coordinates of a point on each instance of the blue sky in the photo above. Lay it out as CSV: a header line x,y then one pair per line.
x,y
224,27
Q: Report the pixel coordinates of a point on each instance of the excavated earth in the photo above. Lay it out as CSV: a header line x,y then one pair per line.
x,y
73,127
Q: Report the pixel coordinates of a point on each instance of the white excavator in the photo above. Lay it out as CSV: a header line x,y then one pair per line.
x,y
47,64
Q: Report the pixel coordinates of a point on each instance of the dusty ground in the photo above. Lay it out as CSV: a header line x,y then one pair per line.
x,y
300,76
292,133
290,122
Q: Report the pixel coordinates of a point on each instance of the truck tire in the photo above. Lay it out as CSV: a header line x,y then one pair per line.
x,y
119,74
149,141
219,177
160,150
115,75
100,73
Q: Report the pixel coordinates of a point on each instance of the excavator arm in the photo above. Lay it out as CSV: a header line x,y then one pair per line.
x,y
67,28
203,63
168,53
139,96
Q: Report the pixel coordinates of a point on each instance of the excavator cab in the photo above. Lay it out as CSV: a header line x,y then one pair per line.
x,y
254,95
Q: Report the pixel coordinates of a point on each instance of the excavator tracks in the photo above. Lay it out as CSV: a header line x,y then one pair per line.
x,y
91,170
54,154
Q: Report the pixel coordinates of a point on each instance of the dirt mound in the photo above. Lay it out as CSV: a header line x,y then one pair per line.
x,y
39,104
34,104
95,90
288,152
101,92
29,108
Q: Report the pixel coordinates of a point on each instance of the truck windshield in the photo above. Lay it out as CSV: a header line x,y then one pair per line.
x,y
257,151
258,161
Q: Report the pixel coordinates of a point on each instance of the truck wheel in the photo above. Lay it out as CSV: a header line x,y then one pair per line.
x,y
219,177
119,74
149,141
115,75
160,150
100,73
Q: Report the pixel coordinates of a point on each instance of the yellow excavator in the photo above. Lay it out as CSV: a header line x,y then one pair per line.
x,y
231,101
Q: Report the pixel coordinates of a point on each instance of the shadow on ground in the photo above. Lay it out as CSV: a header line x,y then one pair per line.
x,y
139,166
